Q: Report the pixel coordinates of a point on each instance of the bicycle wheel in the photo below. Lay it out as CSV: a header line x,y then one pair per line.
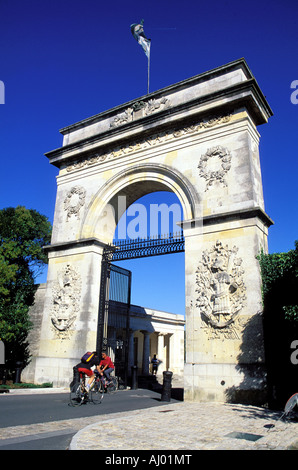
x,y
76,395
113,385
291,403
97,393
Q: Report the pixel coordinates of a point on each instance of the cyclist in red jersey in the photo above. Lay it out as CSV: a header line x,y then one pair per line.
x,y
106,366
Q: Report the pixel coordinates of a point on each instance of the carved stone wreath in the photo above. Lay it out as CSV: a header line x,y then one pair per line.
x,y
75,199
222,166
66,295
221,290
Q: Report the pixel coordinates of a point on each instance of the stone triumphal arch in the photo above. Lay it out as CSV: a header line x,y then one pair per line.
x,y
197,138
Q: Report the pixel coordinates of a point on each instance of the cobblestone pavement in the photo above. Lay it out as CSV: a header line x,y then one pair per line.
x,y
173,426
190,426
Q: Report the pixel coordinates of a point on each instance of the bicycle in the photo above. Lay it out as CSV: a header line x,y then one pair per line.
x,y
109,386
79,395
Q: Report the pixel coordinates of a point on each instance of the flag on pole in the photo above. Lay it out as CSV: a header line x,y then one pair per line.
x,y
138,33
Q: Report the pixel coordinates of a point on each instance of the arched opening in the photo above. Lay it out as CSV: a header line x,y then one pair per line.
x,y
158,285
141,187
125,188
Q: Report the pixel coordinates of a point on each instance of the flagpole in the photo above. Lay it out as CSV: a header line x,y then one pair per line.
x,y
138,33
148,72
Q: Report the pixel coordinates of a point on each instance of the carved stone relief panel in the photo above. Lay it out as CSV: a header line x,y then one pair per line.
x,y
74,201
66,295
221,291
214,165
151,141
140,109
123,118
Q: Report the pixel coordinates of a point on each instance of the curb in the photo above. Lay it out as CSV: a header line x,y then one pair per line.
x,y
74,440
32,391
293,445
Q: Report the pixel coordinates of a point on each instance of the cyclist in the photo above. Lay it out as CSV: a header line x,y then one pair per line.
x,y
86,368
106,366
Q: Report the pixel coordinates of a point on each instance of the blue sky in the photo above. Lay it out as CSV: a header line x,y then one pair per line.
x,y
63,61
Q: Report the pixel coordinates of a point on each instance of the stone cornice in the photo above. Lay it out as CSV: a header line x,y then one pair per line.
x,y
244,93
239,215
151,141
242,214
240,63
83,243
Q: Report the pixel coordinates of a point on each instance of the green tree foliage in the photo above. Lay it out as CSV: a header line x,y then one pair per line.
x,y
23,233
280,282
280,297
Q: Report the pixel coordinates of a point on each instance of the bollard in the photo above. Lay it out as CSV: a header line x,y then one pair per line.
x,y
134,377
2,352
18,372
166,386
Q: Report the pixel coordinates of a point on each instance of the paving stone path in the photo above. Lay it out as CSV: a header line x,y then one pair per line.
x,y
175,426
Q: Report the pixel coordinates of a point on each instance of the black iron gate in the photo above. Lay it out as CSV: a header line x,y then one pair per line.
x,y
113,318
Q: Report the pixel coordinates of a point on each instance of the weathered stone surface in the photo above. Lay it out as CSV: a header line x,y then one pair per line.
x,y
198,139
